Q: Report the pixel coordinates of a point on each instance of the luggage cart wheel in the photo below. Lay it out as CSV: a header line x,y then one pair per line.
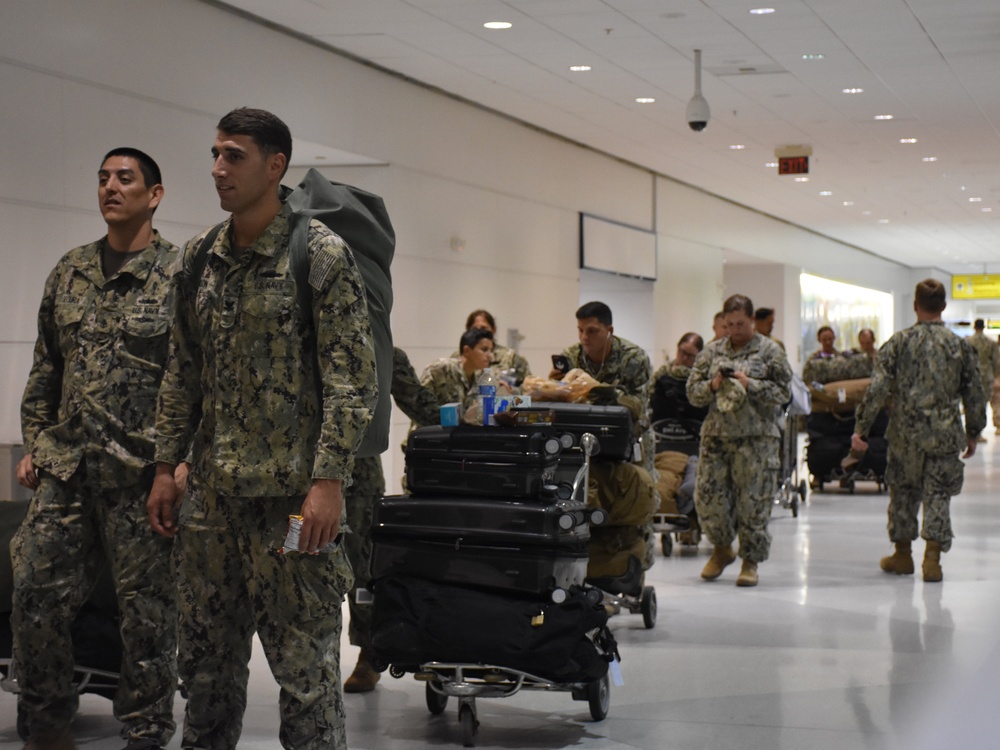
x,y
648,606
795,505
803,489
599,697
666,543
436,702
467,718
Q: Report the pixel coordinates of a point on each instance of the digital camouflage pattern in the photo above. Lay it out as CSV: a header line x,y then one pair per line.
x,y
235,382
738,462
233,580
87,419
264,423
55,567
989,358
446,379
98,362
368,486
846,366
736,484
927,371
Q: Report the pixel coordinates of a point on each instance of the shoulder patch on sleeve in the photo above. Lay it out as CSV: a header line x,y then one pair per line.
x,y
322,263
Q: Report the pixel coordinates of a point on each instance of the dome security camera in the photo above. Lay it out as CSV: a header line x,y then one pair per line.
x,y
698,113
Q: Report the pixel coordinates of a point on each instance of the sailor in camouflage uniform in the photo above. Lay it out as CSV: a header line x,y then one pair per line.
x,y
87,417
505,361
455,380
925,370
612,360
989,361
367,487
742,379
272,436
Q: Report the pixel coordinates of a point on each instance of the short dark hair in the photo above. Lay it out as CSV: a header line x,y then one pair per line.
x,y
595,310
268,132
694,338
869,331
149,168
718,315
980,324
737,303
763,313
483,313
824,328
930,296
472,337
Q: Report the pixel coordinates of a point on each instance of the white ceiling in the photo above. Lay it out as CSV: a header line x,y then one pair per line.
x,y
933,64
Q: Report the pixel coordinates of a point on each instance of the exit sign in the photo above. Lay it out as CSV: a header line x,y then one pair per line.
x,y
793,165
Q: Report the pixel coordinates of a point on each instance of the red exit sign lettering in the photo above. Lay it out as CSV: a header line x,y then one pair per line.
x,y
793,165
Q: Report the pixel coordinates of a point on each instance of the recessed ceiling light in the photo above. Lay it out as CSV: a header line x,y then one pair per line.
x,y
645,100
929,158
986,210
907,140
816,56
826,192
853,91
866,213
761,11
497,25
848,203
802,179
771,165
737,147
883,117
580,68
883,221
975,200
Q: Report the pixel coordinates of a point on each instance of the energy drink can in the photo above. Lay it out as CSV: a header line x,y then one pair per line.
x,y
294,534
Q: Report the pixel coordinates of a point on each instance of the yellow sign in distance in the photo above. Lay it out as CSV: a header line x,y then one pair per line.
x,y
976,286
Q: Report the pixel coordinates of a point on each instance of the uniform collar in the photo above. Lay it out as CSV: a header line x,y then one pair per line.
x,y
275,236
139,267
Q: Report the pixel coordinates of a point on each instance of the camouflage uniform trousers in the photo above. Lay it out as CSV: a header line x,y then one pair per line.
x,y
69,531
367,487
234,580
994,391
736,484
915,477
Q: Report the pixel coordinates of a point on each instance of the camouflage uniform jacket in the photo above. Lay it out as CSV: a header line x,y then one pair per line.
x,y
446,379
626,367
765,364
98,362
926,369
989,358
416,401
239,379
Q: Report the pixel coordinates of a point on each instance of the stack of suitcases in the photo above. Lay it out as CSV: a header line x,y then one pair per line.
x,y
485,560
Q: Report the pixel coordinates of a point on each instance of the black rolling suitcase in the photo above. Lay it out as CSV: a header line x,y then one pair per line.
x,y
481,461
416,621
824,454
610,424
528,547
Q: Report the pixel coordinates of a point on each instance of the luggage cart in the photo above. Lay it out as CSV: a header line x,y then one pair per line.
x,y
675,527
470,681
792,490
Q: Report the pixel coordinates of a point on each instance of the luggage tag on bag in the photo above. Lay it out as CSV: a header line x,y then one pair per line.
x,y
615,667
636,452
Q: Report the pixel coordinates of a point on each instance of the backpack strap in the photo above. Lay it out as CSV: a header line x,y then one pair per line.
x,y
200,259
299,264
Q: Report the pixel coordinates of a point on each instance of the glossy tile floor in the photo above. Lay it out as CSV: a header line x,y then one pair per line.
x,y
828,652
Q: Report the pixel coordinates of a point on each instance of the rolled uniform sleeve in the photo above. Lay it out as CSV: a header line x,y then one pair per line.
x,y
416,401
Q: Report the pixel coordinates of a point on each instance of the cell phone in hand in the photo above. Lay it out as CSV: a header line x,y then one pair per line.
x,y
727,372
560,362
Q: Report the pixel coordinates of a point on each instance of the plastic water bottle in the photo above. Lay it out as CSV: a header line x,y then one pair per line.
x,y
486,400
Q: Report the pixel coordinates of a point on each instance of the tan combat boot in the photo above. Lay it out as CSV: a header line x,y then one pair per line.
x,y
721,557
364,676
51,739
932,563
747,576
899,562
